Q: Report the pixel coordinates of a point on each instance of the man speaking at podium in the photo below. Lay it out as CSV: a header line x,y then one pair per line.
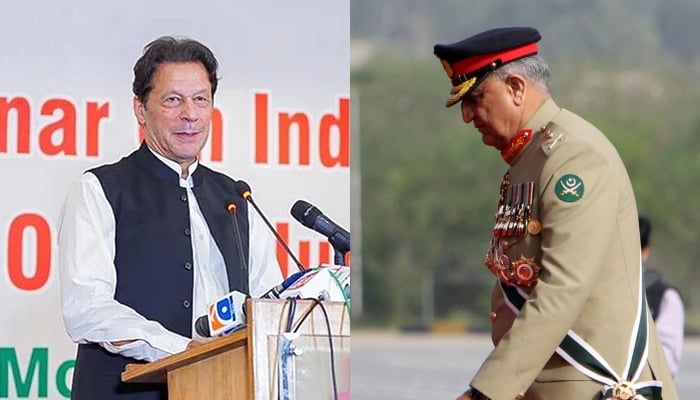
x,y
147,242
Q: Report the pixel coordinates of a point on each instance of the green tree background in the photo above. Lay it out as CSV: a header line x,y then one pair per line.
x,y
429,185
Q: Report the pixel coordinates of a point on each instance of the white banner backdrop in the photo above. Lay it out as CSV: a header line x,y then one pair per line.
x,y
281,124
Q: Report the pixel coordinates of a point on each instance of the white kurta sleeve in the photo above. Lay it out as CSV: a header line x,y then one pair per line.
x,y
88,279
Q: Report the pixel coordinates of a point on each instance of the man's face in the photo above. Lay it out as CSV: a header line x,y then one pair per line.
x,y
492,109
177,112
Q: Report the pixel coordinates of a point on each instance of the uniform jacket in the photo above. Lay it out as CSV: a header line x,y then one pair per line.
x,y
154,260
587,253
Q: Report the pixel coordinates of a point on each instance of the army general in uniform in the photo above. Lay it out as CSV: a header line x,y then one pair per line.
x,y
569,317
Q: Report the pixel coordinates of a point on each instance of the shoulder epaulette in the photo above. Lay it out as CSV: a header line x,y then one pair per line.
x,y
554,137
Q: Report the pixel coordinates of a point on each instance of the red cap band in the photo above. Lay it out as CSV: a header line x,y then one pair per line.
x,y
474,63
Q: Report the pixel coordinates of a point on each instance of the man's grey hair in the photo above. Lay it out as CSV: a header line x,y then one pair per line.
x,y
534,68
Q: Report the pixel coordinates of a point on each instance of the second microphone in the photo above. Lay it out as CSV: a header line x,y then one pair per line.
x,y
313,218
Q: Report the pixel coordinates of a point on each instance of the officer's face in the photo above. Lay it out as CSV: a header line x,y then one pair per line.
x,y
492,109
177,112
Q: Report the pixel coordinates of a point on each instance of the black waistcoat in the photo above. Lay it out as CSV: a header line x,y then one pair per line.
x,y
153,259
655,289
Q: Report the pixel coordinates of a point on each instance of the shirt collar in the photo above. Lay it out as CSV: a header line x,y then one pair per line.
x,y
176,167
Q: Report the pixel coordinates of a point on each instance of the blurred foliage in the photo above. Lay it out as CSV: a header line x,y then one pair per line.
x,y
429,186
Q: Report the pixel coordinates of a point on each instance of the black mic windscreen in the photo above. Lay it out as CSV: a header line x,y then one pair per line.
x,y
305,213
202,326
243,189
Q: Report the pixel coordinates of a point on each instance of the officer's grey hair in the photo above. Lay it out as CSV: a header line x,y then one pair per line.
x,y
534,68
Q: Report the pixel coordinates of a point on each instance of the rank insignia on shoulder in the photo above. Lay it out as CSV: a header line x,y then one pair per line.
x,y
554,135
569,188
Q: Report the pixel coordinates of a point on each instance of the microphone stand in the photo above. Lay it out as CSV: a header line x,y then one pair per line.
x,y
339,257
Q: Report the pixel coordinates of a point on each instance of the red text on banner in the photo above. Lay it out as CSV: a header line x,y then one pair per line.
x,y
60,134
331,153
21,228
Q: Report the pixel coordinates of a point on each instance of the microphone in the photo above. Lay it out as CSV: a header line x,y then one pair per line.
x,y
330,283
232,209
312,217
224,316
243,190
274,293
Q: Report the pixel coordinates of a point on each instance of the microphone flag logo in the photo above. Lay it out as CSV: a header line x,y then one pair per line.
x,y
221,313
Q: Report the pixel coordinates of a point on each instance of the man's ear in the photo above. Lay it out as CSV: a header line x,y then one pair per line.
x,y
139,110
516,88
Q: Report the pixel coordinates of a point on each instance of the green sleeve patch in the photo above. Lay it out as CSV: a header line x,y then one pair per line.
x,y
569,188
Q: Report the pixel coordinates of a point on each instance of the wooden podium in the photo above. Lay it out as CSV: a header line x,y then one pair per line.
x,y
243,365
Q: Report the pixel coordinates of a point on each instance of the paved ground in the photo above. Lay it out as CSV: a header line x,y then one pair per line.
x,y
435,367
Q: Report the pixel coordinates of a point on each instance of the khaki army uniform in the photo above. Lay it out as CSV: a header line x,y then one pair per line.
x,y
567,221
